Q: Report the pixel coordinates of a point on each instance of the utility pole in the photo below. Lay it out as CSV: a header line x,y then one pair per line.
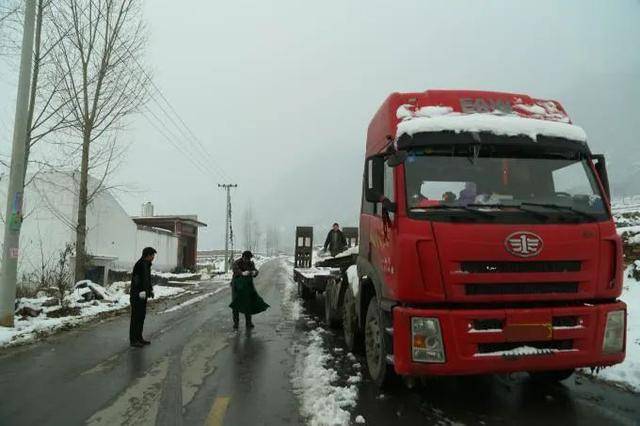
x,y
228,232
13,217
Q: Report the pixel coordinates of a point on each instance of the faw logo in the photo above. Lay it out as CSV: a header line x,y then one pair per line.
x,y
523,244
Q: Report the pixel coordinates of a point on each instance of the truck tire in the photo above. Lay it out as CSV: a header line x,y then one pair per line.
x,y
352,334
550,376
375,342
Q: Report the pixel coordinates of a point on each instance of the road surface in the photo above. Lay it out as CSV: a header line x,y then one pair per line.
x,y
197,371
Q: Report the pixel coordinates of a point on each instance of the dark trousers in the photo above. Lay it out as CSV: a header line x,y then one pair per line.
x,y
236,314
138,313
236,317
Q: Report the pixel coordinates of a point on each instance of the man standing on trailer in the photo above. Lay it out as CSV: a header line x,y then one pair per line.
x,y
336,241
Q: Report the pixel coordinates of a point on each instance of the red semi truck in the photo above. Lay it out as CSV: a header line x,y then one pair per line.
x,y
486,242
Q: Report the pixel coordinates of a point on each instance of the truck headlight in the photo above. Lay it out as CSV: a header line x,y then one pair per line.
x,y
613,341
426,340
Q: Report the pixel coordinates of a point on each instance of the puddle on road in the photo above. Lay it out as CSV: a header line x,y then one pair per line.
x,y
139,403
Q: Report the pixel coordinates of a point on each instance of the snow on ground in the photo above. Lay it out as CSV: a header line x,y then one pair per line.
x,y
323,402
217,266
628,373
172,276
325,395
187,303
194,300
30,328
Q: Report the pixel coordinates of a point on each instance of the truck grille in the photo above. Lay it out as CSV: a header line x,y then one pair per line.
x,y
550,345
520,288
520,267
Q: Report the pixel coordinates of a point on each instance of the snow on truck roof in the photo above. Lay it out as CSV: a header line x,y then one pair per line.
x,y
440,118
500,113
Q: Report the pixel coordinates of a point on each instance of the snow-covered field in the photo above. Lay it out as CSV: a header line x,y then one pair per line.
x,y
214,267
31,328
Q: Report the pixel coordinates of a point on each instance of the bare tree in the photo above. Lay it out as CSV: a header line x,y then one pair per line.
x,y
247,227
97,64
43,117
272,240
251,232
8,22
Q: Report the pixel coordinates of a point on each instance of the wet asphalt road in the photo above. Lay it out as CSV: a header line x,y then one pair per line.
x,y
197,371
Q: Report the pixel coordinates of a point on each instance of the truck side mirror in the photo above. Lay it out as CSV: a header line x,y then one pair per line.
x,y
388,205
397,158
374,179
601,167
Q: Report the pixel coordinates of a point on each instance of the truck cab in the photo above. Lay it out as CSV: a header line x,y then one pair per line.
x,y
486,241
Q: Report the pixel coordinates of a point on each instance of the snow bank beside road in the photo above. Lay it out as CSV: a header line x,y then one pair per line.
x,y
29,329
291,305
323,401
325,395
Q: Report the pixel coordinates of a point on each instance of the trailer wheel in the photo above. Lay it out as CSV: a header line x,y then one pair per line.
x,y
352,334
304,292
550,376
330,315
376,346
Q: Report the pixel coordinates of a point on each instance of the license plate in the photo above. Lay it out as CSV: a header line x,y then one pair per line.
x,y
527,332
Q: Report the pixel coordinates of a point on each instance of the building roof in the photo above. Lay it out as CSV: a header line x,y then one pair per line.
x,y
189,219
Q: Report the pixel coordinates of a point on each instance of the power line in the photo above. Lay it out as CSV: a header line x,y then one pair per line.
x,y
201,168
180,130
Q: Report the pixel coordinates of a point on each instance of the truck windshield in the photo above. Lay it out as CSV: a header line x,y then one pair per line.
x,y
510,188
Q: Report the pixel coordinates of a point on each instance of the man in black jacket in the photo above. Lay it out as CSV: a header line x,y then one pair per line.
x,y
336,241
243,267
141,290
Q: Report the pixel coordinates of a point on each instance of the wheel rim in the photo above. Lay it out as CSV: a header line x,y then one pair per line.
x,y
373,345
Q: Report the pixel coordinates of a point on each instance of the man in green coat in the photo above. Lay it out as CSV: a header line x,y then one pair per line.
x,y
244,296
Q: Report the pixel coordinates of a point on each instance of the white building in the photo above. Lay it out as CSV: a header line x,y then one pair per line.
x,y
114,240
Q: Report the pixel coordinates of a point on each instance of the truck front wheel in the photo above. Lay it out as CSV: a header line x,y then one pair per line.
x,y
550,376
376,346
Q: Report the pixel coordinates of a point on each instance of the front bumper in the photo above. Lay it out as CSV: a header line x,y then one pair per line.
x,y
472,351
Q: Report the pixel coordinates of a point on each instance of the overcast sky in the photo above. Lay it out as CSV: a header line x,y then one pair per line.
x,y
280,93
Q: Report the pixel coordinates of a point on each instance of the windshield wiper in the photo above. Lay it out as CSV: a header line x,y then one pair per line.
x,y
539,215
561,207
461,207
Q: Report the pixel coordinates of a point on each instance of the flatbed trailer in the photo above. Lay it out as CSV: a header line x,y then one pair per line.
x,y
314,280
